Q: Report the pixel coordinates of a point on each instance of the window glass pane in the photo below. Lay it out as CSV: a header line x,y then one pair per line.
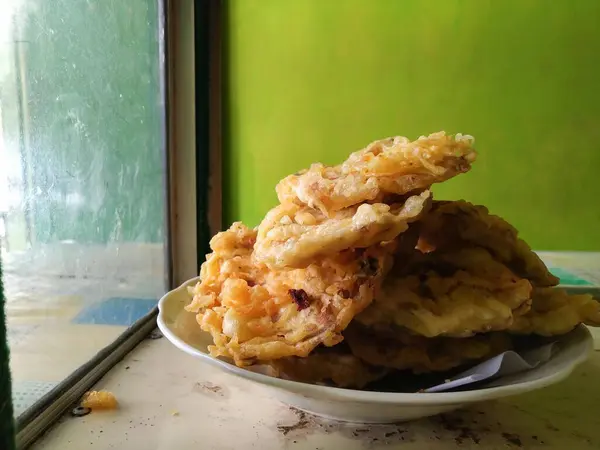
x,y
82,208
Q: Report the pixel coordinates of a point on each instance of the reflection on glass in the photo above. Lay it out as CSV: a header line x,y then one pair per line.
x,y
81,180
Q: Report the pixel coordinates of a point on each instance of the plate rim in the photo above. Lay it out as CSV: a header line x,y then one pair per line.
x,y
355,395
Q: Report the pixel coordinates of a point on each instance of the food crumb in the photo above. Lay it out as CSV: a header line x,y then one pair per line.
x,y
174,413
96,400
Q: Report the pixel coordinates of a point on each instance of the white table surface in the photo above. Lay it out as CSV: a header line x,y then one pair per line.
x,y
170,401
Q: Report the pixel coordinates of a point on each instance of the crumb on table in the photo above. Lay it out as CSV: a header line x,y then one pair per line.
x,y
96,400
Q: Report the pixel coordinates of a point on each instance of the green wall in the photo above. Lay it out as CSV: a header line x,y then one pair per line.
x,y
312,80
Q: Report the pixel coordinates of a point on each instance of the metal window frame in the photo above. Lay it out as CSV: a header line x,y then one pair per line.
x,y
190,65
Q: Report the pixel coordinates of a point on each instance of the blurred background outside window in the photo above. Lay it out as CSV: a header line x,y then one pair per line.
x,y
82,209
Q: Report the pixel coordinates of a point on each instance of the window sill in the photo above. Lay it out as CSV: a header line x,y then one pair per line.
x,y
169,400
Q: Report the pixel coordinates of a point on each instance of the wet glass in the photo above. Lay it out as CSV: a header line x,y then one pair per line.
x,y
82,209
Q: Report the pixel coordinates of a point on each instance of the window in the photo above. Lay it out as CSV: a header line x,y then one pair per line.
x,y
83,200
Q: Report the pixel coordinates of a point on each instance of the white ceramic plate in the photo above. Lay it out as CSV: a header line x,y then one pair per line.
x,y
350,405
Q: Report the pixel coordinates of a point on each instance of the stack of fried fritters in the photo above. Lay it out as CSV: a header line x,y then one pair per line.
x,y
358,273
